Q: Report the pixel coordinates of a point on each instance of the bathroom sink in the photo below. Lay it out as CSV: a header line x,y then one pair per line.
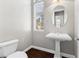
x,y
59,36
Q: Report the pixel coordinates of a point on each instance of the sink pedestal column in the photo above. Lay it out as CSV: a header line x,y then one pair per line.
x,y
57,49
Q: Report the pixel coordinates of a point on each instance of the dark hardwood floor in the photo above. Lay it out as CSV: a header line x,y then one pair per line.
x,y
34,53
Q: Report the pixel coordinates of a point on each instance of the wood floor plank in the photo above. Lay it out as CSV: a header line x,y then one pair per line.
x,y
34,53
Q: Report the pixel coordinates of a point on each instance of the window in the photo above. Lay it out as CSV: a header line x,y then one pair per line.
x,y
38,15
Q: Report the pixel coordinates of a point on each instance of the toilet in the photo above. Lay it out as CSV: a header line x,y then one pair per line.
x,y
8,49
18,54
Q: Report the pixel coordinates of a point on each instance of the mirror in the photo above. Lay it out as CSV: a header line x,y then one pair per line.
x,y
59,16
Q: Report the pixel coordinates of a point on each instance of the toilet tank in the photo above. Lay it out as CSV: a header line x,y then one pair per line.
x,y
8,47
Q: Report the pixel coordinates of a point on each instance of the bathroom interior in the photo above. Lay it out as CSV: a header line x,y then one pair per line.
x,y
39,28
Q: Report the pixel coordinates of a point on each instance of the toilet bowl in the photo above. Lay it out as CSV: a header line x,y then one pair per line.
x,y
8,49
18,54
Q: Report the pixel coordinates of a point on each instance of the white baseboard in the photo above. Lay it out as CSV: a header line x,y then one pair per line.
x,y
49,50
67,55
28,48
43,49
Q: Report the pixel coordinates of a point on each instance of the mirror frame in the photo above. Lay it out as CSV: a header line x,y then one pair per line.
x,y
65,15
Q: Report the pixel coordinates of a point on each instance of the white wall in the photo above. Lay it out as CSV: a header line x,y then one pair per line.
x,y
15,21
39,37
76,28
76,18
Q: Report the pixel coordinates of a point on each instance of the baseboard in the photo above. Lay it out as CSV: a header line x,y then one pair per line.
x,y
28,48
43,49
67,55
50,51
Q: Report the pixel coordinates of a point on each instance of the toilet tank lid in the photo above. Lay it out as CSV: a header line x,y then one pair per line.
x,y
8,42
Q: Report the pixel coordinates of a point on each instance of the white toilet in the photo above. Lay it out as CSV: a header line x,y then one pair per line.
x,y
18,54
8,49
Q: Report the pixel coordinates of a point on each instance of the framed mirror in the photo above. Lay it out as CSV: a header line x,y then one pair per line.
x,y
59,17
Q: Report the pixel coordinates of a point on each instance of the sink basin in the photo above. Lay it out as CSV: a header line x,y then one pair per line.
x,y
59,36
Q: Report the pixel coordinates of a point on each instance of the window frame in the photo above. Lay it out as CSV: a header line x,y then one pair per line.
x,y
35,17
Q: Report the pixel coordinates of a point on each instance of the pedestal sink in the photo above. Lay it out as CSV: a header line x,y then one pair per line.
x,y
58,37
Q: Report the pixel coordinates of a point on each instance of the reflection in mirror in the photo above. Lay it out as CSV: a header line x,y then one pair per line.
x,y
59,16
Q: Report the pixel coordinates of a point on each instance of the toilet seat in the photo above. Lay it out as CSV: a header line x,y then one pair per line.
x,y
18,54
